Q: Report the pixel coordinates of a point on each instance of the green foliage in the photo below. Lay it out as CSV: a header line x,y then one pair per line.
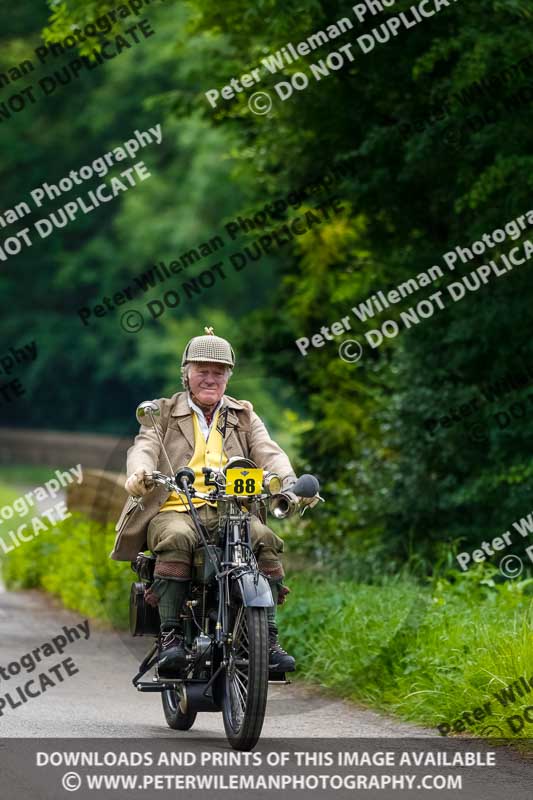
x,y
396,493
7,495
392,488
186,202
70,561
22,475
396,645
400,648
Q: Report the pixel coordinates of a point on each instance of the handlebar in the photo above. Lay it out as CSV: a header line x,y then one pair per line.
x,y
170,484
307,488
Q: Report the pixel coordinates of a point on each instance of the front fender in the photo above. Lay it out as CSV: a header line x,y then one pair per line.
x,y
253,590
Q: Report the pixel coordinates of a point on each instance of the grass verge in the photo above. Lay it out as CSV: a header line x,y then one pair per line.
x,y
429,654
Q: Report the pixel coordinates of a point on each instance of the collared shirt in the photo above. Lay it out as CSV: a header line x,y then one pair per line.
x,y
205,427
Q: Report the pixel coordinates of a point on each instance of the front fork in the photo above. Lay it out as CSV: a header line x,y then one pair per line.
x,y
234,535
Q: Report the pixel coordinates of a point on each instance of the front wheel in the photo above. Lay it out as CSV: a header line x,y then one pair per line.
x,y
246,679
176,713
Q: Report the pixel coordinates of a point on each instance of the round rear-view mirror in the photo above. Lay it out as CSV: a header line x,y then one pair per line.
x,y
147,412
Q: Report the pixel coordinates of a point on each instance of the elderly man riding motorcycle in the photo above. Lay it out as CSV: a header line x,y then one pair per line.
x,y
203,427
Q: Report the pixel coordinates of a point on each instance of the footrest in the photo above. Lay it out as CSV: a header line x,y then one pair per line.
x,y
160,686
277,677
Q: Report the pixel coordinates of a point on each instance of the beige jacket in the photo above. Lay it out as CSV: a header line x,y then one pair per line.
x,y
246,435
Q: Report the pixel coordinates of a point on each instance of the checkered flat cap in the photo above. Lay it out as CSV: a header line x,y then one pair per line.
x,y
209,348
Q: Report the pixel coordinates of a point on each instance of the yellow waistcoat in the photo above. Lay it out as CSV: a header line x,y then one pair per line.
x,y
208,453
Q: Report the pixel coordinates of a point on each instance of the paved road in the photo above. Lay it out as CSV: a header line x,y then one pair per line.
x,y
107,661
106,704
99,701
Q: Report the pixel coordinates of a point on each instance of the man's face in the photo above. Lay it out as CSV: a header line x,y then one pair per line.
x,y
207,382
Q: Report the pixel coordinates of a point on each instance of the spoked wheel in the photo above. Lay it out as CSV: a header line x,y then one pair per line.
x,y
176,713
246,679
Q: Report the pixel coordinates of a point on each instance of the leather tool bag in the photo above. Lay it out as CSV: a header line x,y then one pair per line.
x,y
144,618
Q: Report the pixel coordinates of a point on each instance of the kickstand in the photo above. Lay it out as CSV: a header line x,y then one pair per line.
x,y
146,664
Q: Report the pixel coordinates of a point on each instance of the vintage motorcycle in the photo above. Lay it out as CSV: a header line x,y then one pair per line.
x,y
225,616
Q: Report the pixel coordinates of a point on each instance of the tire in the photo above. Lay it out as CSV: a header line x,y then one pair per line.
x,y
246,678
175,717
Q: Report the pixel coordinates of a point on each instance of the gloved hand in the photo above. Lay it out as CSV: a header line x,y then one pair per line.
x,y
135,485
302,501
310,501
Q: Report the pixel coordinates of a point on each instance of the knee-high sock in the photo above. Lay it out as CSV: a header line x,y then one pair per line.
x,y
172,594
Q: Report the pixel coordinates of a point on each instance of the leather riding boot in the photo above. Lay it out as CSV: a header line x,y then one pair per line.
x,y
279,660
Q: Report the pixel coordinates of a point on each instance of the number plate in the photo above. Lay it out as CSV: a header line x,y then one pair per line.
x,y
244,482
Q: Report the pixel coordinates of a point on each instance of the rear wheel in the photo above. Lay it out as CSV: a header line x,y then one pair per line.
x,y
176,713
246,678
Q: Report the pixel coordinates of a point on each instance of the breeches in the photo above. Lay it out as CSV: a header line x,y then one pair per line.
x,y
173,538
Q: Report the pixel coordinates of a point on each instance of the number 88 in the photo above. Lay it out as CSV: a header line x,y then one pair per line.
x,y
239,486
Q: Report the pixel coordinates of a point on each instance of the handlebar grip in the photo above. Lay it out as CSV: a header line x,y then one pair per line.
x,y
306,486
185,476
